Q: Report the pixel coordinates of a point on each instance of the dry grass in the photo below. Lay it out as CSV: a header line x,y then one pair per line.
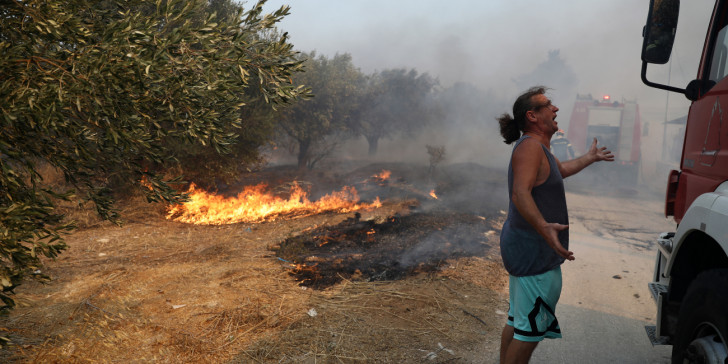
x,y
133,206
425,317
155,290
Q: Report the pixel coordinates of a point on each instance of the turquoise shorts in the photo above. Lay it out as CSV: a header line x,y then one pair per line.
x,y
532,306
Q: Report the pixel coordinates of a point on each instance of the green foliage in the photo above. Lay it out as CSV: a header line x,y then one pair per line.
x,y
109,92
206,167
315,123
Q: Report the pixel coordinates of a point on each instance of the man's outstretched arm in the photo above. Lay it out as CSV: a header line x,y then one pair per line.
x,y
594,154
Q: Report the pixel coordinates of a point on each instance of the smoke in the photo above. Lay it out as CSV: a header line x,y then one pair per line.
x,y
460,242
490,43
500,48
556,74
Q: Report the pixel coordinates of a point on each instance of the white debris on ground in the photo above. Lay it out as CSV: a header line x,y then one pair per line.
x,y
432,355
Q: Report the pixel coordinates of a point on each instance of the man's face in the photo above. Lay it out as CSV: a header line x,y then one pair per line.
x,y
545,113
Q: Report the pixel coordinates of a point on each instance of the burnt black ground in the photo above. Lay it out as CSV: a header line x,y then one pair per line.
x,y
390,250
455,224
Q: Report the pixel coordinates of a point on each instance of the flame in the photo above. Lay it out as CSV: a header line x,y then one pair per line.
x,y
433,195
144,181
376,203
383,175
370,235
256,204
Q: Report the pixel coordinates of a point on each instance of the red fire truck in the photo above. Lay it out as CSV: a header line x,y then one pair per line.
x,y
616,125
690,283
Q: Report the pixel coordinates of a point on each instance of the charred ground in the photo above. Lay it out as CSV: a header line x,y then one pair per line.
x,y
416,279
398,246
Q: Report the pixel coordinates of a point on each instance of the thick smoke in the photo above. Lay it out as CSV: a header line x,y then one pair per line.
x,y
500,48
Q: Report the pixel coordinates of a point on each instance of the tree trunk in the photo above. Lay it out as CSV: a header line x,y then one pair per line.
x,y
303,157
373,145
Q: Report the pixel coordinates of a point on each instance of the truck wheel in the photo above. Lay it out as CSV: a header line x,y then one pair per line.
x,y
702,327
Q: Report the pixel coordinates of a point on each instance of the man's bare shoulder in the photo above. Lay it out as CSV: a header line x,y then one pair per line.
x,y
529,155
528,146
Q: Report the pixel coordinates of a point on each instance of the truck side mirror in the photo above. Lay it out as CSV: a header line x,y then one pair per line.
x,y
659,33
697,88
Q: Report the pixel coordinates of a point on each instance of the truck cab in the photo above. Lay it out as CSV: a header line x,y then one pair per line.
x,y
690,282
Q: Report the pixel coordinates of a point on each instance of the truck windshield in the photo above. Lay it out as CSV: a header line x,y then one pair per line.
x,y
718,65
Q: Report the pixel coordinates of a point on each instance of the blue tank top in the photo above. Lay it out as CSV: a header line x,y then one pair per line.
x,y
523,250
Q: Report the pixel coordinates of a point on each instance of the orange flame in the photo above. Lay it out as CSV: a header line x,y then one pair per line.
x,y
144,181
255,204
433,195
383,175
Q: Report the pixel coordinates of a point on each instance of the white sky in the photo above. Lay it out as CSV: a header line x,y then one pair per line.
x,y
488,43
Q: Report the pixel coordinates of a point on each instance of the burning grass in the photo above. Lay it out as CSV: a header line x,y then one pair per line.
x,y
258,204
159,290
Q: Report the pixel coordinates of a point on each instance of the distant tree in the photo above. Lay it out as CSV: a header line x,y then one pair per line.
x,y
106,91
316,124
556,74
437,155
394,102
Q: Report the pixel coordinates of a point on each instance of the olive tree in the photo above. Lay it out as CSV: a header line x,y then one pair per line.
x,y
104,91
395,102
318,123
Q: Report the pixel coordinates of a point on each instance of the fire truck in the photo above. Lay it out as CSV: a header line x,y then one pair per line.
x,y
690,283
615,125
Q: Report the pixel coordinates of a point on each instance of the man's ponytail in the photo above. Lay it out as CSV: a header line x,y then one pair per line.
x,y
508,128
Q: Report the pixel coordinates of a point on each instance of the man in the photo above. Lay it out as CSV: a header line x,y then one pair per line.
x,y
534,241
561,147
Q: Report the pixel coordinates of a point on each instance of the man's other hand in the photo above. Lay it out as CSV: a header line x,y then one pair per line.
x,y
601,153
553,230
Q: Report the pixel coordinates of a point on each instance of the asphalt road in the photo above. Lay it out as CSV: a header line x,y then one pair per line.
x,y
605,303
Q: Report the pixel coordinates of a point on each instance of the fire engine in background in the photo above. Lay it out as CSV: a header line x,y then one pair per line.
x,y
690,282
616,125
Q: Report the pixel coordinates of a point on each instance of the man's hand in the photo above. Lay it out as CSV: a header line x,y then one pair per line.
x,y
594,154
552,238
600,154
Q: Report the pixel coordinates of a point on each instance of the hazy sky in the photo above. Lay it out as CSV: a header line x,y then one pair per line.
x,y
488,43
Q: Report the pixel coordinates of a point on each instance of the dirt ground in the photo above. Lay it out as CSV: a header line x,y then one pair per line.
x,y
159,290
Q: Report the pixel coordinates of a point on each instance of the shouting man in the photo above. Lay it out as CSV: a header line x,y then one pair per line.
x,y
535,240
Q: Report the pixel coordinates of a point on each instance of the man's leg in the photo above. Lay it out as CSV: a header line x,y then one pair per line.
x,y
531,295
519,352
506,339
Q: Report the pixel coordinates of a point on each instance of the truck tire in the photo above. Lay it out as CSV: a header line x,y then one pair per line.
x,y
702,327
